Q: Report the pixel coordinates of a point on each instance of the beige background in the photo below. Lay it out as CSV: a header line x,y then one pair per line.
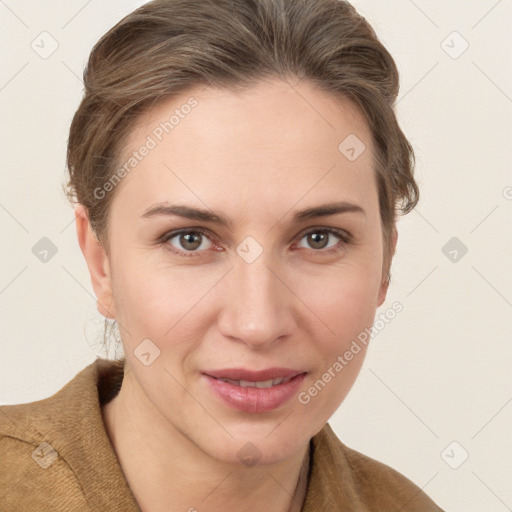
x,y
440,371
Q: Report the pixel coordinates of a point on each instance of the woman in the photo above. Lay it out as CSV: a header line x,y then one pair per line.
x,y
237,169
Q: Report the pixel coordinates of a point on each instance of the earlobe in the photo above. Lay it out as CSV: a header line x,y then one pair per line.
x,y
97,263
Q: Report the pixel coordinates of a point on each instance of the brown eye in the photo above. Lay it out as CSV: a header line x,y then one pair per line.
x,y
325,240
318,239
188,242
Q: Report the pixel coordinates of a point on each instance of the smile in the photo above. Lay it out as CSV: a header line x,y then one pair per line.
x,y
259,384
255,396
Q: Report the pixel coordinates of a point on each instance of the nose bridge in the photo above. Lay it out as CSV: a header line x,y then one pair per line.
x,y
255,310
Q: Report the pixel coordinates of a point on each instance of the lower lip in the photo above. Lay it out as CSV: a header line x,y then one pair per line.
x,y
255,399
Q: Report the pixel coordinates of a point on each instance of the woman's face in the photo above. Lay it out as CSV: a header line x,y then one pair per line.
x,y
271,289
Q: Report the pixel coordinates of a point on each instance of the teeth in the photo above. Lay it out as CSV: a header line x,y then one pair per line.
x,y
260,384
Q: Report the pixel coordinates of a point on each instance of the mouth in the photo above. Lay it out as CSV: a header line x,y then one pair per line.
x,y
252,393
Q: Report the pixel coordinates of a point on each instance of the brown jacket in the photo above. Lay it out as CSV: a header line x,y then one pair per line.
x,y
55,455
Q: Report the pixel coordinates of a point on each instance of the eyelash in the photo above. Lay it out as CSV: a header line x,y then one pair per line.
x,y
345,239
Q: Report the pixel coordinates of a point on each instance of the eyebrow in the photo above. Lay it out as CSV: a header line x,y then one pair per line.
x,y
203,215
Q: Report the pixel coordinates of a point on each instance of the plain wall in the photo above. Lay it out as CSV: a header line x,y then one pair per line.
x,y
440,371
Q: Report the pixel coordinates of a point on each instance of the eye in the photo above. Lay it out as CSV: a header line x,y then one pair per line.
x,y
187,243
318,239
192,242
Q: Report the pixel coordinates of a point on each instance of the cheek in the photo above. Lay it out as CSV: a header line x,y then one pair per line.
x,y
344,300
152,302
344,310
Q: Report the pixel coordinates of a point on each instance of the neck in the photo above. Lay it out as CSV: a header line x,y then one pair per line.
x,y
167,471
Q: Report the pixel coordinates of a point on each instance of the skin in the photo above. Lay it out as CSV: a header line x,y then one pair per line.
x,y
255,156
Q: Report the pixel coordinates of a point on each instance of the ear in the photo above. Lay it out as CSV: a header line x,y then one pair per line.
x,y
97,262
385,281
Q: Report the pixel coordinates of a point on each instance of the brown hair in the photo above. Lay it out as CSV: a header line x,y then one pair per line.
x,y
168,46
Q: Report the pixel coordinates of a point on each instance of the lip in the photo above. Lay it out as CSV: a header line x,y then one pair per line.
x,y
253,375
251,399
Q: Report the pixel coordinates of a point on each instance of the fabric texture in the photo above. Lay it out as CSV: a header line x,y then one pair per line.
x,y
55,455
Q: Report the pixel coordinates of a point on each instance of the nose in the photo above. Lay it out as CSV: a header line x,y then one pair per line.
x,y
257,305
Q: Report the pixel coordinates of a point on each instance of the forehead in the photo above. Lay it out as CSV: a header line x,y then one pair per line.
x,y
274,138
293,111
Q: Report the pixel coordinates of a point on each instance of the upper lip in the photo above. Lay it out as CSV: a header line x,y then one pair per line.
x,y
253,376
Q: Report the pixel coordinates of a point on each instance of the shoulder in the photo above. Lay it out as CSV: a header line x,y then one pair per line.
x,y
65,408
29,464
48,447
363,480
